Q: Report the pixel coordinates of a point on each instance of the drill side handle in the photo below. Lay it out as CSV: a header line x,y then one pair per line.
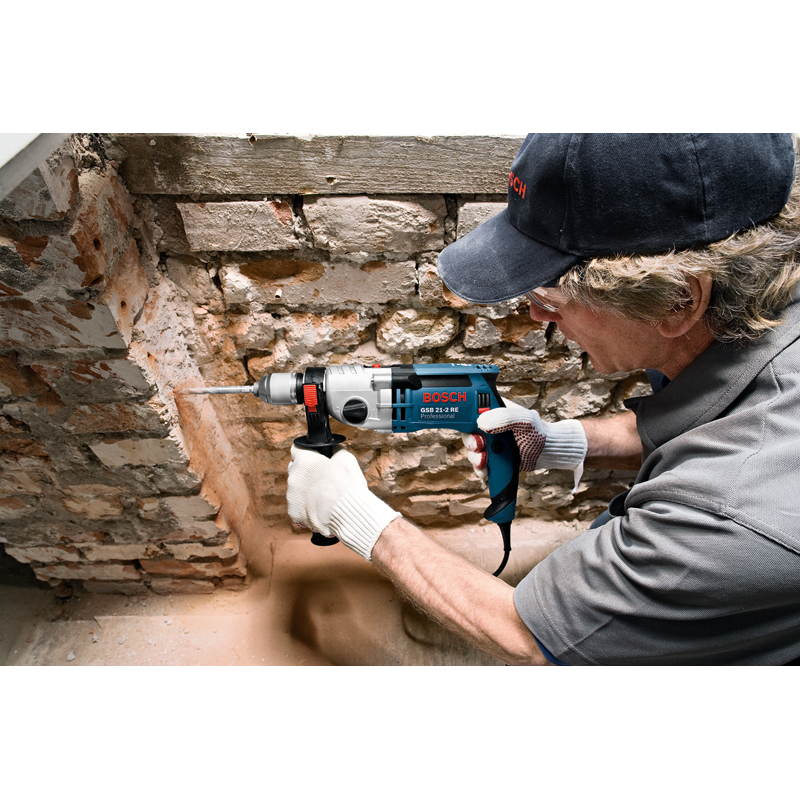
x,y
318,436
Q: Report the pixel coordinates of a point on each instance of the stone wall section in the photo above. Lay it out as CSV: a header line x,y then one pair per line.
x,y
351,278
117,290
99,480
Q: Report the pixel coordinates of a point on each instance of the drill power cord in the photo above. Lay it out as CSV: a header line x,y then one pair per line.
x,y
505,530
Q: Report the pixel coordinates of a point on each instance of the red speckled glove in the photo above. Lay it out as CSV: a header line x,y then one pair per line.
x,y
542,445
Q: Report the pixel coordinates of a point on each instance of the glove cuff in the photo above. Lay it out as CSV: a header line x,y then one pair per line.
x,y
565,447
358,519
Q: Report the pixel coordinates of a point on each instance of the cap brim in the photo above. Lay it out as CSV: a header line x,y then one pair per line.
x,y
496,262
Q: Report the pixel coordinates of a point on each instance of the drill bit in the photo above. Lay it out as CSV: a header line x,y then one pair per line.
x,y
278,389
223,390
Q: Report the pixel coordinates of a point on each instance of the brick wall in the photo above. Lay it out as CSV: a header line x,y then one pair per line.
x,y
99,480
134,265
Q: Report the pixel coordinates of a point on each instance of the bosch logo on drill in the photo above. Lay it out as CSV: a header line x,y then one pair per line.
x,y
444,397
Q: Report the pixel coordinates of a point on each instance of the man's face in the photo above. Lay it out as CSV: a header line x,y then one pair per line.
x,y
612,342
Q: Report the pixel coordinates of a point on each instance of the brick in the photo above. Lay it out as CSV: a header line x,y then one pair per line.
x,y
119,552
481,333
79,535
203,569
267,280
162,344
16,508
17,443
234,584
43,555
375,225
95,507
312,334
455,479
94,381
139,452
197,532
81,572
471,215
464,505
229,549
409,330
20,482
521,331
89,489
239,225
253,332
49,325
22,268
193,279
173,479
422,506
317,284
191,509
115,418
20,381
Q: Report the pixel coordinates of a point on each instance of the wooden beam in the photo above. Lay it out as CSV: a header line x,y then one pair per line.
x,y
318,165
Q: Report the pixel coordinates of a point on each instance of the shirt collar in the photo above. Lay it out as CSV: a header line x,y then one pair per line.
x,y
710,384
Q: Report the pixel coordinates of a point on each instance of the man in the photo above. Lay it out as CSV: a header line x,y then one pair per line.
x,y
674,253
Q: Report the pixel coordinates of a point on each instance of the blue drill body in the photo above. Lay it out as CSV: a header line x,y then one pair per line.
x,y
452,396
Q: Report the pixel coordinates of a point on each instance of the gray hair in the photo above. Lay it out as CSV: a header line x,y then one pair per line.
x,y
755,272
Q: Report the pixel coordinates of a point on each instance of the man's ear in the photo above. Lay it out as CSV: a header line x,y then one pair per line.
x,y
681,320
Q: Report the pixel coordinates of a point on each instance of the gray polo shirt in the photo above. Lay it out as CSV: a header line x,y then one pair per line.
x,y
703,565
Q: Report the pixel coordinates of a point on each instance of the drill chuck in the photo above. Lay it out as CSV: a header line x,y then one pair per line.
x,y
280,388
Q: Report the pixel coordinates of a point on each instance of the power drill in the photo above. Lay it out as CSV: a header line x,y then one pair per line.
x,y
399,399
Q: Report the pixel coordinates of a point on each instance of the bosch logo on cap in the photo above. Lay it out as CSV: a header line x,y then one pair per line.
x,y
516,184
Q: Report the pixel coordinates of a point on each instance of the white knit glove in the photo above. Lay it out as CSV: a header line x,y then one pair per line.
x,y
542,445
331,496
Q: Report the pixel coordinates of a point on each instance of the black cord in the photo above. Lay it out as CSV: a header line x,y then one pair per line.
x,y
505,530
